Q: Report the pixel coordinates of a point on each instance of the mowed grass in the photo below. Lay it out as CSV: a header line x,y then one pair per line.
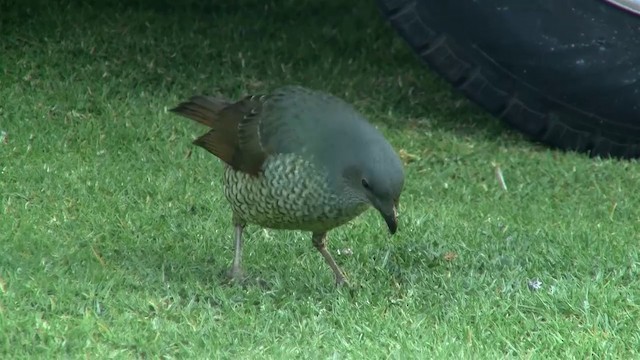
x,y
113,239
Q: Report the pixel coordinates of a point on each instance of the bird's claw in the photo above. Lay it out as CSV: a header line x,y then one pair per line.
x,y
236,275
341,281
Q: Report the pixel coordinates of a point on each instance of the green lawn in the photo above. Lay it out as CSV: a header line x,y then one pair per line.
x,y
113,240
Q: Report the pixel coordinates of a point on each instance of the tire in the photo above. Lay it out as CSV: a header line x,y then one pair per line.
x,y
564,72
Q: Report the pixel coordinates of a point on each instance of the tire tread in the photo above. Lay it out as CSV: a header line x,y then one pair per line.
x,y
537,117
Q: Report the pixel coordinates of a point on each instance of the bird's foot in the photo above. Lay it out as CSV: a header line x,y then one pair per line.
x,y
341,281
236,275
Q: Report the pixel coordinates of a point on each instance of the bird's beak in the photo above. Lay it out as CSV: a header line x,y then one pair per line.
x,y
391,218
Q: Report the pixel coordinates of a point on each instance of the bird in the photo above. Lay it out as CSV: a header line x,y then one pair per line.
x,y
297,158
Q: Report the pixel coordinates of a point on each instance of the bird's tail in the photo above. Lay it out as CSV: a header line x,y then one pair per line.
x,y
203,109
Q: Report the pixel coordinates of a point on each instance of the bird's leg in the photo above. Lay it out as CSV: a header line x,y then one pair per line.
x,y
319,242
236,273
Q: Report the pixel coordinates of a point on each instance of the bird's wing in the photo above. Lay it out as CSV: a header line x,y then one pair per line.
x,y
241,134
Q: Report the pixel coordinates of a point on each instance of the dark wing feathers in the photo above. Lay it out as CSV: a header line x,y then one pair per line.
x,y
235,130
203,109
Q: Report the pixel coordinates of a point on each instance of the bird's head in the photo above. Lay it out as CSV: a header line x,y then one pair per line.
x,y
378,180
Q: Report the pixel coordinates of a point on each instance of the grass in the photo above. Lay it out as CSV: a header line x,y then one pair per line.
x,y
112,240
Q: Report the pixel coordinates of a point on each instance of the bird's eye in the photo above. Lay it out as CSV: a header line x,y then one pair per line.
x,y
365,184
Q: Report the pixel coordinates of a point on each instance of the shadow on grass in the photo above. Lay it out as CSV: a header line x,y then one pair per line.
x,y
174,49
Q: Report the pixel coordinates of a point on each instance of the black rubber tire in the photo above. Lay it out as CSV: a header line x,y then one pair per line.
x,y
564,72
